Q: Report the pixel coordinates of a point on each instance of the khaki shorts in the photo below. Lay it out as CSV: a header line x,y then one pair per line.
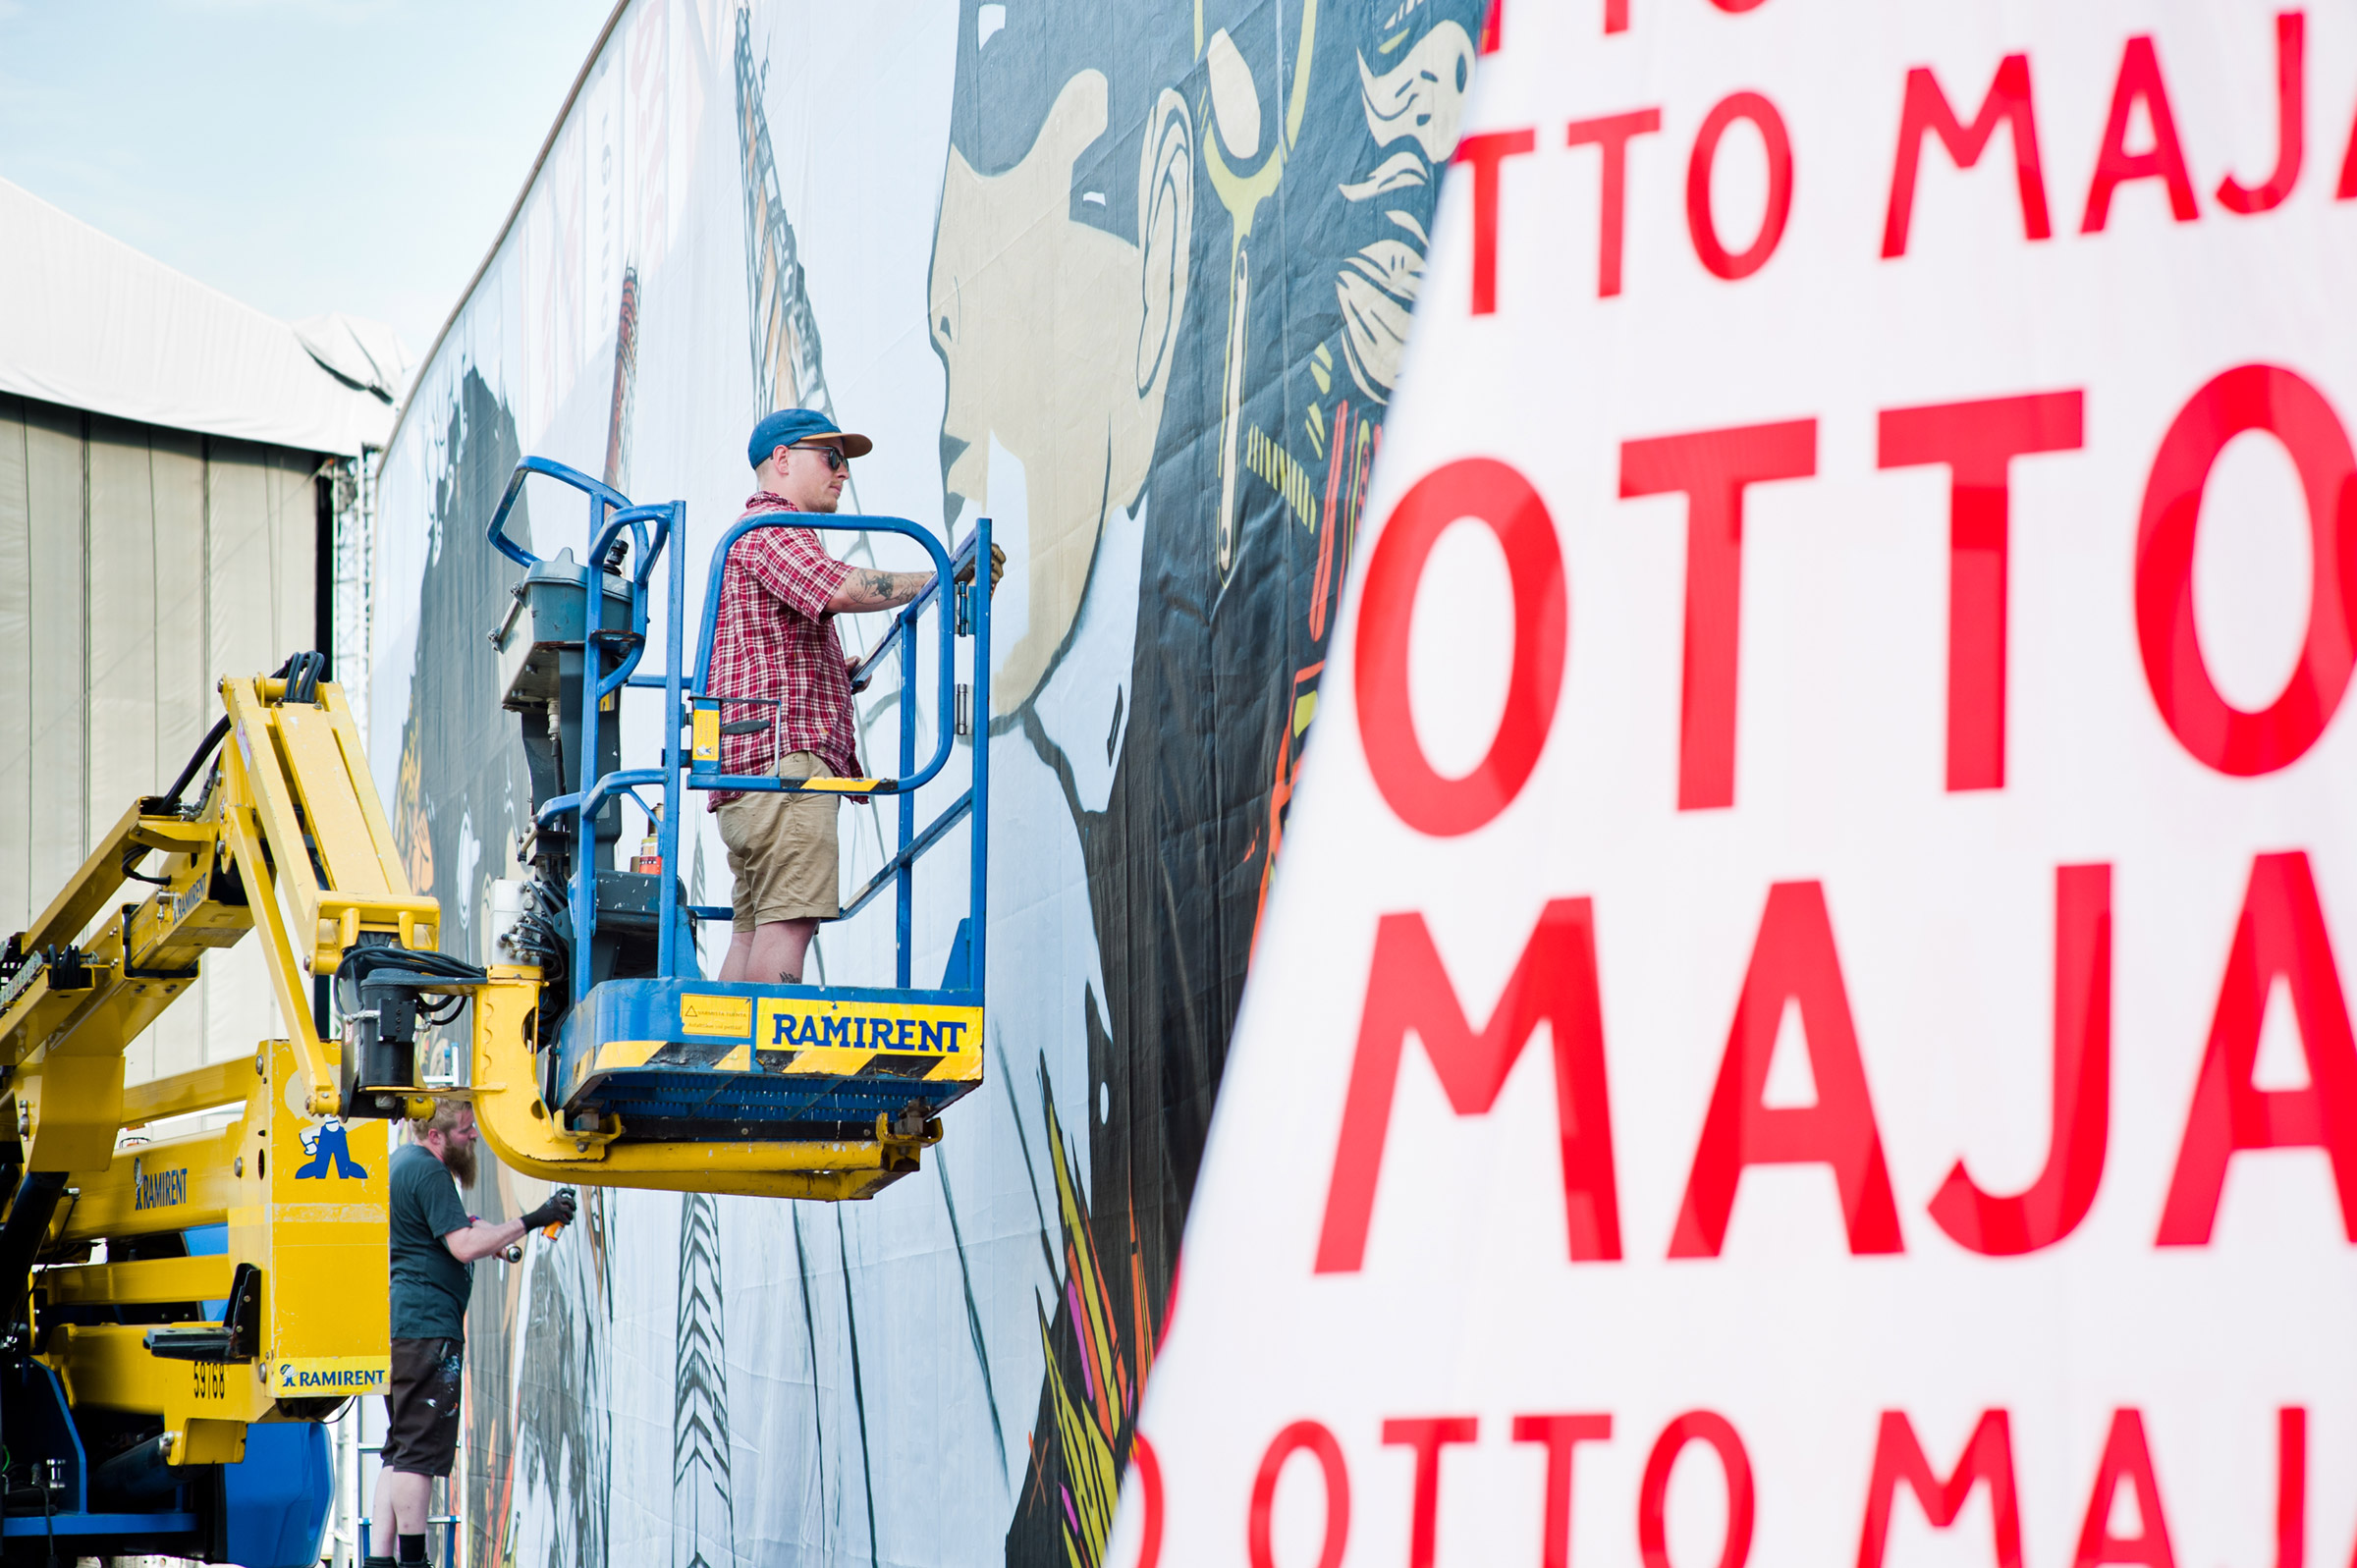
x,y
782,850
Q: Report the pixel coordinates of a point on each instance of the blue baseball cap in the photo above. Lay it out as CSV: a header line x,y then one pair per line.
x,y
793,427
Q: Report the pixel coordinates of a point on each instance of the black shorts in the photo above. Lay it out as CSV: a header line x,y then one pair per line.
x,y
421,1406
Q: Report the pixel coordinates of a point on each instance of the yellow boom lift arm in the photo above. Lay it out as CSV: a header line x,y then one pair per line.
x,y
158,1353
288,1319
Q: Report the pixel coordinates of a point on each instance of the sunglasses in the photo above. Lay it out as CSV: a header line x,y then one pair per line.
x,y
836,462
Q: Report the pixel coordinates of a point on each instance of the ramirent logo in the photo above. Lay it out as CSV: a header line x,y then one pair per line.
x,y
867,1034
330,1149
163,1190
346,1379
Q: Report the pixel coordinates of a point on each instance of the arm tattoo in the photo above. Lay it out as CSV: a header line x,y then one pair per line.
x,y
881,591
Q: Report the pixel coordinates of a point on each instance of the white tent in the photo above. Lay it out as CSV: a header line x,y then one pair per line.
x,y
165,520
93,324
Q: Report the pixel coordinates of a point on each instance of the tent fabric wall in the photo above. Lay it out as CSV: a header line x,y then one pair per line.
x,y
138,565
15,666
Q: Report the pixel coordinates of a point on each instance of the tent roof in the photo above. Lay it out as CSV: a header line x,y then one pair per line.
x,y
94,324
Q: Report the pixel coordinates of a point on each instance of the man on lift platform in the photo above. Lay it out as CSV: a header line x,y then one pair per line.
x,y
785,684
435,1243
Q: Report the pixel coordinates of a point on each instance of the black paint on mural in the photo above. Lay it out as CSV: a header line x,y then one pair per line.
x,y
1313,137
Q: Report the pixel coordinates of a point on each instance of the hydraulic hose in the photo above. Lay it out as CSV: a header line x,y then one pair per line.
x,y
187,774
360,963
301,672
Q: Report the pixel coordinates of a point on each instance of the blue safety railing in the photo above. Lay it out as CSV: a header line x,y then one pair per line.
x,y
655,530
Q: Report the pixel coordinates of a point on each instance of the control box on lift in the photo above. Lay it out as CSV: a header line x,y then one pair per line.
x,y
544,645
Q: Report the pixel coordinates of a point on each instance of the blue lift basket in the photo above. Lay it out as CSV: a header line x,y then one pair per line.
x,y
844,1083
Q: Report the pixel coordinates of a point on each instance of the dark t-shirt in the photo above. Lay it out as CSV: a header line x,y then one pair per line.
x,y
429,1285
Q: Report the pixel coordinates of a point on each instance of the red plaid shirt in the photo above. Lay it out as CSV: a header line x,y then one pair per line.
x,y
775,639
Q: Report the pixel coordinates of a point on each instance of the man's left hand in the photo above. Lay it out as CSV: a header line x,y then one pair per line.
x,y
558,1211
997,568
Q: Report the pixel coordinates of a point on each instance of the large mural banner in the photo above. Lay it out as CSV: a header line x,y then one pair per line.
x,y
1804,1015
1135,282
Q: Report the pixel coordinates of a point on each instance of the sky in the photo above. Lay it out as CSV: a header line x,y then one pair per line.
x,y
299,155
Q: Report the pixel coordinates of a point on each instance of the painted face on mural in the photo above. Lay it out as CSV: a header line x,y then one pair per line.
x,y
1178,246
1072,258
1056,330
1413,99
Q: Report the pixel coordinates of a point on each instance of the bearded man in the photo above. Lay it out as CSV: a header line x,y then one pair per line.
x,y
435,1242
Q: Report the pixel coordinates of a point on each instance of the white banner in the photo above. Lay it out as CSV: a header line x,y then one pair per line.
x,y
1801,1019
